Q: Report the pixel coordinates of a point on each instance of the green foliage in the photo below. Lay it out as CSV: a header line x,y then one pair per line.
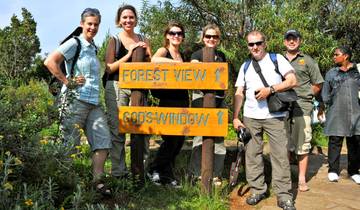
x,y
318,137
274,21
25,110
18,47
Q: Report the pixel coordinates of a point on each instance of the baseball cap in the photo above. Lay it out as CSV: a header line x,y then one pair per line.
x,y
292,32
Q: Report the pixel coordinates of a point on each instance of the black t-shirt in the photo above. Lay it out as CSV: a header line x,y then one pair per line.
x,y
121,53
170,94
219,57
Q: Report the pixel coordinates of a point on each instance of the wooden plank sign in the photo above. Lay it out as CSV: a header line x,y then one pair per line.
x,y
174,121
202,76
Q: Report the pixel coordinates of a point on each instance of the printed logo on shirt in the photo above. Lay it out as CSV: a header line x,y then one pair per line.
x,y
301,62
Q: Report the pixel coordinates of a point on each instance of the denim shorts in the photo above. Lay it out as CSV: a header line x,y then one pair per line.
x,y
89,118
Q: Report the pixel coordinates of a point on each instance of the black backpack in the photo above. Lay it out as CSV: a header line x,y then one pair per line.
x,y
55,84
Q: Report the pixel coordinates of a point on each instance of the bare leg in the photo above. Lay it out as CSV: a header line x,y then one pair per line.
x,y
303,164
98,162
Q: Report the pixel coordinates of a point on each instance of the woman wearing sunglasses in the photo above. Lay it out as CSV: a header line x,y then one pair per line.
x,y
210,38
161,169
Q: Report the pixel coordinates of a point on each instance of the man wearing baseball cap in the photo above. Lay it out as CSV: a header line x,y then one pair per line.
x,y
309,81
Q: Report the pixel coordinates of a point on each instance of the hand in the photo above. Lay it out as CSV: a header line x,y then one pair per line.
x,y
238,124
262,93
72,83
80,80
321,114
135,45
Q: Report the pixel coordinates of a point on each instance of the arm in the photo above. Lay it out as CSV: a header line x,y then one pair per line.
x,y
316,88
159,56
111,64
288,83
53,61
238,102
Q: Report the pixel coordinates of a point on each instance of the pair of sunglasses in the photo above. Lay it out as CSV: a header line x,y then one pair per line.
x,y
208,36
251,44
173,33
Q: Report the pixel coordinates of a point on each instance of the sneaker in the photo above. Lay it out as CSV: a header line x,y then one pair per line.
x,y
286,205
174,184
254,199
333,177
356,178
154,178
217,181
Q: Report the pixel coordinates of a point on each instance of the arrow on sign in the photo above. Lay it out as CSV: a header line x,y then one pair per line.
x,y
217,75
220,117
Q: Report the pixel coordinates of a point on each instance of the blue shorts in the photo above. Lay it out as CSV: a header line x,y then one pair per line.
x,y
84,117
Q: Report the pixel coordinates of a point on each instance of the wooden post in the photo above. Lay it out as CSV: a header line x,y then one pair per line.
x,y
137,141
207,153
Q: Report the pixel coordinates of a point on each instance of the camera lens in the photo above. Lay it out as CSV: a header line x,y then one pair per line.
x,y
244,135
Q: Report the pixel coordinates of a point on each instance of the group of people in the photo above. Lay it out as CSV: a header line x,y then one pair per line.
x,y
290,132
287,133
102,129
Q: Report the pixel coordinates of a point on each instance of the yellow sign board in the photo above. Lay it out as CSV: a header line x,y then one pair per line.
x,y
213,76
173,121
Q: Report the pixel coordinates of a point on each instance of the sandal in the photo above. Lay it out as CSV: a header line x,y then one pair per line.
x,y
303,187
102,189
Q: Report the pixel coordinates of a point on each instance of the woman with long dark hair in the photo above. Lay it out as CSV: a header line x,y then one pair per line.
x,y
161,169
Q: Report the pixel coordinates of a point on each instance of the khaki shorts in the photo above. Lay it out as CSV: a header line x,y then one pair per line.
x,y
300,136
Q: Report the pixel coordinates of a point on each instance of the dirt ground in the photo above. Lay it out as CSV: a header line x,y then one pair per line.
x,y
343,195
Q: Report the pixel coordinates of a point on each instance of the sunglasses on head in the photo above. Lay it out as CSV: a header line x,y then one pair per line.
x,y
251,44
208,36
173,33
91,10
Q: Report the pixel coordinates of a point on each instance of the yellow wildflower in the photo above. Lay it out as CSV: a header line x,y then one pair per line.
x,y
62,208
44,142
78,147
29,202
8,186
73,156
18,161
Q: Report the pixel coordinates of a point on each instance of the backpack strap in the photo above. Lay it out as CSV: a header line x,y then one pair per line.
x,y
273,58
76,56
117,47
247,64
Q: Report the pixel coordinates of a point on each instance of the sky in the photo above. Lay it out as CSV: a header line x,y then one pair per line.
x,y
57,18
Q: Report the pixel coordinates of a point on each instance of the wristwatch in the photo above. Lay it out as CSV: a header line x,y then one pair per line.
x,y
272,90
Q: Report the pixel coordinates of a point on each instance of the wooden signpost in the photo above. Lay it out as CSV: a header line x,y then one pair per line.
x,y
173,121
207,121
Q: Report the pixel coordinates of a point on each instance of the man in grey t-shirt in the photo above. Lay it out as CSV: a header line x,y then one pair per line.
x,y
309,81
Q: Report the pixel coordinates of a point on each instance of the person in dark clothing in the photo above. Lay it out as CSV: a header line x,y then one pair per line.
x,y
161,169
211,38
340,94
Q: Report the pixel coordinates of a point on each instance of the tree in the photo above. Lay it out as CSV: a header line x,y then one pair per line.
x,y
19,45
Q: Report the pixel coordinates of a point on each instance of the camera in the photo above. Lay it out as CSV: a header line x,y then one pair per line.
x,y
244,135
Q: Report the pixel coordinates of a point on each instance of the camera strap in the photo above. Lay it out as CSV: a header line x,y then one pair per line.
x,y
258,71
